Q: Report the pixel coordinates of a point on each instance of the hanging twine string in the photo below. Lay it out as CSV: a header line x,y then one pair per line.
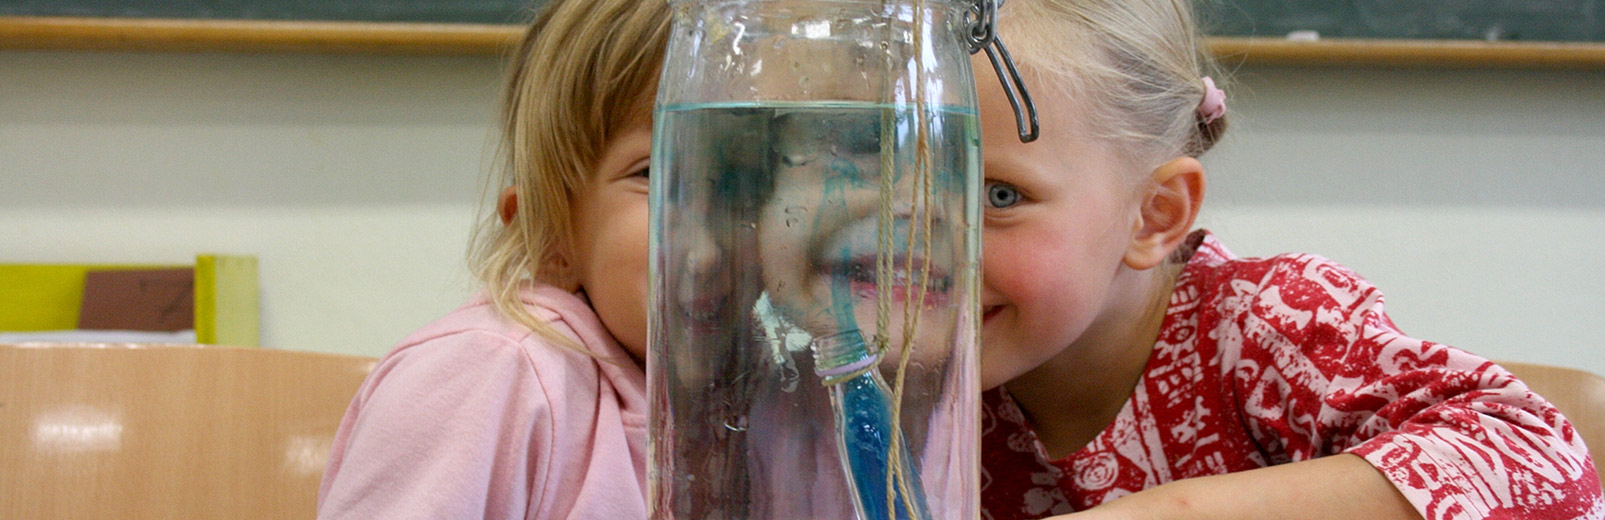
x,y
915,287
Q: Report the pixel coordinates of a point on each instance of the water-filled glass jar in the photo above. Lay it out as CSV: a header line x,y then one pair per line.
x,y
815,240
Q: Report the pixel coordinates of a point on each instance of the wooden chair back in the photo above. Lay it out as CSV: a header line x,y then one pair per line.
x,y
167,431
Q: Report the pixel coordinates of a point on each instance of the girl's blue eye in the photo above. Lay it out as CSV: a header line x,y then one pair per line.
x,y
1001,195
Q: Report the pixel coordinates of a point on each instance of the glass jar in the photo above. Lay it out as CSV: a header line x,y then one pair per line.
x,y
815,235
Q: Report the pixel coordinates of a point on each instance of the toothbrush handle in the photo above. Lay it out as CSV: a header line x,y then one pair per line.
x,y
863,416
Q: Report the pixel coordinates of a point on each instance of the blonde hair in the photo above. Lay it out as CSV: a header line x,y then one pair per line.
x,y
584,70
1136,66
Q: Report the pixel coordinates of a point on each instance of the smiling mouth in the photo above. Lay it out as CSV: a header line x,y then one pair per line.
x,y
703,310
990,312
859,275
849,261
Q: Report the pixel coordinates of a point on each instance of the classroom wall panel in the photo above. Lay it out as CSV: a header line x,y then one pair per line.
x,y
1473,198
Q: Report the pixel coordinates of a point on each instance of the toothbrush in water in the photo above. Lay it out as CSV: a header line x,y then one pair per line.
x,y
863,410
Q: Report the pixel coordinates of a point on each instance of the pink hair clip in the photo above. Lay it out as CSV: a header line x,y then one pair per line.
x,y
1214,104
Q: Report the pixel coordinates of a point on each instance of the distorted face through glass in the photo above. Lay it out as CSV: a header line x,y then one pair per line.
x,y
847,250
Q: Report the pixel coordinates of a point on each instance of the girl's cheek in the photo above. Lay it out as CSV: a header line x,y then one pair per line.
x,y
1005,277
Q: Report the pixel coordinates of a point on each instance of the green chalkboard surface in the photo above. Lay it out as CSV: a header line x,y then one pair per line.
x,y
445,11
1499,20
1505,20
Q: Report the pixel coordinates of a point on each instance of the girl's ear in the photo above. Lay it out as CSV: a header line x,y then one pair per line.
x,y
1167,212
507,205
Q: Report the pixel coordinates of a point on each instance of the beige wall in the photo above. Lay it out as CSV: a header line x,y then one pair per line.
x,y
1475,199
354,179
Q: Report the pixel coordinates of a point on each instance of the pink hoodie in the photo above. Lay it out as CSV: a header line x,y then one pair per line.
x,y
474,416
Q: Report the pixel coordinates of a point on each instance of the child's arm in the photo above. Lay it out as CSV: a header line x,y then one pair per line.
x,y
1342,487
1452,433
1322,371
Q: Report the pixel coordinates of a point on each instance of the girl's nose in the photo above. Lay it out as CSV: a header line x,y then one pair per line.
x,y
702,253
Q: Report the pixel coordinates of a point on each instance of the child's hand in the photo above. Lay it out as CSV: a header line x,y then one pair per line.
x,y
1099,513
1336,487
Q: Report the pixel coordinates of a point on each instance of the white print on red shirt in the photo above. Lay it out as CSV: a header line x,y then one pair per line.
x,y
1275,360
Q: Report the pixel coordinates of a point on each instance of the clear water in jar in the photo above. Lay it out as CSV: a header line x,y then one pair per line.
x,y
775,232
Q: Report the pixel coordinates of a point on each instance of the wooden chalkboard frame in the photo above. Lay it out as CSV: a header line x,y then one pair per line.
x,y
205,35
154,34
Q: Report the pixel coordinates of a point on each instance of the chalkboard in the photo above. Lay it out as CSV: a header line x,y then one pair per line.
x,y
443,11
1509,20
1500,20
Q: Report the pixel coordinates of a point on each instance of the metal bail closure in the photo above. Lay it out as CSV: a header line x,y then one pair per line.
x,y
984,36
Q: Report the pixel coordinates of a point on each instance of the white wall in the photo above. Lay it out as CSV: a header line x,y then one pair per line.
x,y
354,179
1475,199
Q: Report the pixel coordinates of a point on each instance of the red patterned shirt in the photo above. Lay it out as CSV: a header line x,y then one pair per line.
x,y
1267,361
